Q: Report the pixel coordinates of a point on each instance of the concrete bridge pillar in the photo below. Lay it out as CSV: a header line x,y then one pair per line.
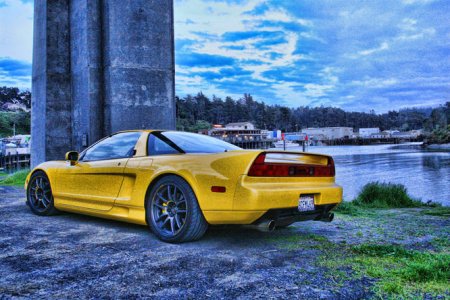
x,y
99,67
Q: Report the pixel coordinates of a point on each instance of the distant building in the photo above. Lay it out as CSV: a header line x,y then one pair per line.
x,y
416,133
244,135
403,135
389,132
367,132
380,135
329,133
240,125
19,144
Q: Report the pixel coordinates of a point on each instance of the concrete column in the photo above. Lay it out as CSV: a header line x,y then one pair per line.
x,y
99,66
51,130
139,64
86,72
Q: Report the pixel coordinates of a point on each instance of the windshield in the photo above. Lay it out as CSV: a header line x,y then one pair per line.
x,y
197,143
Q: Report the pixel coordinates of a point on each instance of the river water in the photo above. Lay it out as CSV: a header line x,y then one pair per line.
x,y
425,174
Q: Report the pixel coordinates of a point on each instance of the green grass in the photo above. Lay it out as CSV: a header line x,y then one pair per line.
x,y
15,179
441,243
348,208
399,272
378,195
385,195
439,211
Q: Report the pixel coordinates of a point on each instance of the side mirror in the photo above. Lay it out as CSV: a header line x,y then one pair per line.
x,y
72,156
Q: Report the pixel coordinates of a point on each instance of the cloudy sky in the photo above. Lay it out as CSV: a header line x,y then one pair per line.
x,y
357,55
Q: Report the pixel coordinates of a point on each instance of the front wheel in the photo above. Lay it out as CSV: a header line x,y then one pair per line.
x,y
173,213
39,195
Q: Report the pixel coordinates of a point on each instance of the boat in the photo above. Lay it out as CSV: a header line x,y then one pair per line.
x,y
289,144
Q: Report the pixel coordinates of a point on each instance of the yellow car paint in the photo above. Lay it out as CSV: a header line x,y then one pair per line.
x,y
117,189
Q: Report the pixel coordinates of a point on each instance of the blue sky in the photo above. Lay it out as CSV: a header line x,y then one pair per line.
x,y
357,55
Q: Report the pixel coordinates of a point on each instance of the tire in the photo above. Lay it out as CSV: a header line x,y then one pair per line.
x,y
39,195
173,213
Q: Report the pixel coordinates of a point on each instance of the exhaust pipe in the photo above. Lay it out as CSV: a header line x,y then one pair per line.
x,y
264,226
327,218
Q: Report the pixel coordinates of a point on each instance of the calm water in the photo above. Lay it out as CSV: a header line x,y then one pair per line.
x,y
426,174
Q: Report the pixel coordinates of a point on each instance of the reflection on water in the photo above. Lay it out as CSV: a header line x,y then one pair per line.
x,y
426,174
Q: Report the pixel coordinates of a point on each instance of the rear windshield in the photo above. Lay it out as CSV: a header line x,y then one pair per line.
x,y
185,142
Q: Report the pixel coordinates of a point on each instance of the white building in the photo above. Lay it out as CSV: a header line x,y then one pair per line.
x,y
367,132
240,125
329,133
380,135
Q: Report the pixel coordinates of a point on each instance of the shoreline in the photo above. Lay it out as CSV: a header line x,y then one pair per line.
x,y
445,147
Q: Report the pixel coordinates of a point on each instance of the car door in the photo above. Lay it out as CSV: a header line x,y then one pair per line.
x,y
95,180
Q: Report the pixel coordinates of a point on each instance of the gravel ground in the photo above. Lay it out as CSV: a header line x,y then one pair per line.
x,y
74,256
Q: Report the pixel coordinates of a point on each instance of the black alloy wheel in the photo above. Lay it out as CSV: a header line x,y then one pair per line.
x,y
39,195
173,212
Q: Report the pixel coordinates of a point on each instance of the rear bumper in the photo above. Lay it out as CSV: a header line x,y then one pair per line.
x,y
258,199
254,193
288,216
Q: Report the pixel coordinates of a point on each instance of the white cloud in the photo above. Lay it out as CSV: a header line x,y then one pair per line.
x,y
383,46
375,82
16,30
422,2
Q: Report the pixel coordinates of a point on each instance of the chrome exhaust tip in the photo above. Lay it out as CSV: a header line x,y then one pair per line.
x,y
270,225
264,226
327,218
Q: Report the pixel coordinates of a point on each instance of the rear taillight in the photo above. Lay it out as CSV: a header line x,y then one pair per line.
x,y
261,168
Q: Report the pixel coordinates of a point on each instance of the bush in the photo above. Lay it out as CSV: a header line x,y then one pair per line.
x,y
385,195
440,136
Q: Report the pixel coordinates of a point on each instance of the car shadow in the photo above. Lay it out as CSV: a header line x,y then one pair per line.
x,y
217,234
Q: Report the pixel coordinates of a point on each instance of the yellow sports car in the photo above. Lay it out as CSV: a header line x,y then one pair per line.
x,y
178,183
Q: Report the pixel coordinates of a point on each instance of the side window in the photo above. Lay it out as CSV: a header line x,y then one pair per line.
x,y
156,146
117,146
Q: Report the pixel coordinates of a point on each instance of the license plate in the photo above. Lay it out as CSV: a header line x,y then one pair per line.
x,y
306,203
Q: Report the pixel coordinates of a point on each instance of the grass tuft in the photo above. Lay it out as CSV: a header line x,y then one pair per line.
x,y
381,250
385,195
438,211
16,179
426,267
348,208
381,195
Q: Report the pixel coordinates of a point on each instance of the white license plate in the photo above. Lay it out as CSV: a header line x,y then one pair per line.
x,y
306,203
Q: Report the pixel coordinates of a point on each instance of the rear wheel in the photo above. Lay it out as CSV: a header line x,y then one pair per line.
x,y
173,213
39,195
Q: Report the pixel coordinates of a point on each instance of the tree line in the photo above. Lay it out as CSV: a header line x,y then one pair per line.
x,y
199,112
15,108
